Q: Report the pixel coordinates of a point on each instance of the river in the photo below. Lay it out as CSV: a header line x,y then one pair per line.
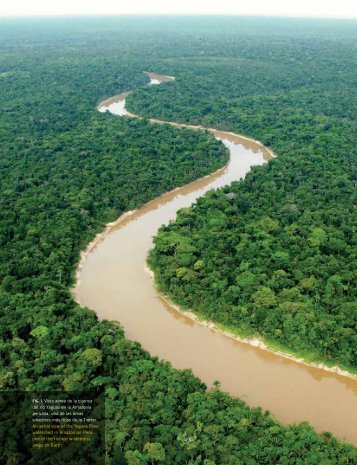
x,y
112,279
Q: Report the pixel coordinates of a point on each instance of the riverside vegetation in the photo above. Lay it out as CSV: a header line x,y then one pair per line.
x,y
66,170
273,256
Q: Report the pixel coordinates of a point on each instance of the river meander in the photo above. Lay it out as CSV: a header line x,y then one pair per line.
x,y
113,281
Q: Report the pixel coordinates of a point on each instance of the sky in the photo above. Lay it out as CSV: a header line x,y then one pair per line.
x,y
311,8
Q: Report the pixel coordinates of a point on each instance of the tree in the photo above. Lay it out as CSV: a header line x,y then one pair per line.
x,y
155,452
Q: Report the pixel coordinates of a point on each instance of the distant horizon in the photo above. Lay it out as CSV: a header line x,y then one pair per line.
x,y
344,9
117,15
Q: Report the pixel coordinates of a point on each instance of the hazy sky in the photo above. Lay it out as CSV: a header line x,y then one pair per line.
x,y
323,8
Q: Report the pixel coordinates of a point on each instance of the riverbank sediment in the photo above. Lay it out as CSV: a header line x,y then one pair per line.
x,y
111,280
268,155
252,341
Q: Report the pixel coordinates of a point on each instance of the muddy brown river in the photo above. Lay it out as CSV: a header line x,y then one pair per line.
x,y
113,281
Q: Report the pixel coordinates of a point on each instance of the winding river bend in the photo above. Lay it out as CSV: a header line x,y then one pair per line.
x,y
113,281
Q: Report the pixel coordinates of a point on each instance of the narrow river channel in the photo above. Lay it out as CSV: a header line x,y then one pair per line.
x,y
112,280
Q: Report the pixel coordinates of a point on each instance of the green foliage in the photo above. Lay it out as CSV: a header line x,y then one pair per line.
x,y
66,170
279,248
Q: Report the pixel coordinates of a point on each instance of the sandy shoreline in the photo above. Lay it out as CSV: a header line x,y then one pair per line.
x,y
254,342
268,154
109,227
91,246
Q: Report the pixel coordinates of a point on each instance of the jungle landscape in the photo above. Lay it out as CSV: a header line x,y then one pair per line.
x,y
270,257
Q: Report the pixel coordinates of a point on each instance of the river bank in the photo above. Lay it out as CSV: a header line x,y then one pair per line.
x,y
113,225
111,280
252,341
268,155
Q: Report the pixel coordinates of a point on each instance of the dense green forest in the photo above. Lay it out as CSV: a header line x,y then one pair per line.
x,y
66,170
278,259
